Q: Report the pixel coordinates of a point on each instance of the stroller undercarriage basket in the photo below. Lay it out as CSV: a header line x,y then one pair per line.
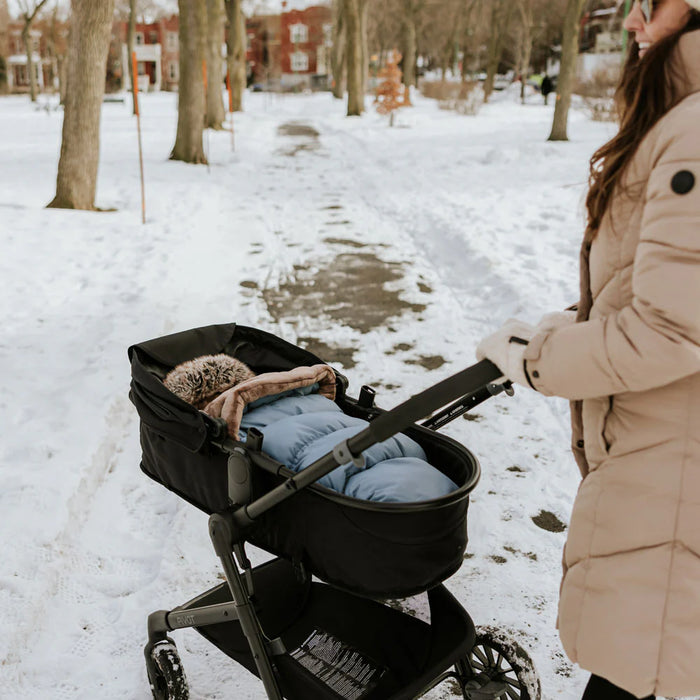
x,y
271,618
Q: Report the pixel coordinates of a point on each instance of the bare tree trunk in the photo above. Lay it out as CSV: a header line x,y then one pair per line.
x,y
526,23
338,52
364,11
62,79
356,101
501,12
190,105
409,45
28,17
215,76
130,33
235,51
88,45
26,39
567,71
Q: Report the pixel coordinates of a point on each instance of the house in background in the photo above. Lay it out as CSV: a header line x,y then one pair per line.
x,y
48,42
305,47
157,50
285,51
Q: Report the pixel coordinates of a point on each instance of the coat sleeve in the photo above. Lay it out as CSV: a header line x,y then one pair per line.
x,y
655,339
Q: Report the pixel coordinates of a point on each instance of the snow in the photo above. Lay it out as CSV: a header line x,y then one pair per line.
x,y
486,217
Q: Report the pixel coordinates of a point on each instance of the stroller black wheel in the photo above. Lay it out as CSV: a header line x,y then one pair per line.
x,y
165,672
500,669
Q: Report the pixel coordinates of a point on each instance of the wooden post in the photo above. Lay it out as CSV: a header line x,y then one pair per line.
x,y
135,89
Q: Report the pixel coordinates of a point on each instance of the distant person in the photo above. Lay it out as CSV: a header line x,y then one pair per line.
x,y
629,362
546,87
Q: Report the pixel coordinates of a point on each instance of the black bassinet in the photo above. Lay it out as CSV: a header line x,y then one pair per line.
x,y
370,548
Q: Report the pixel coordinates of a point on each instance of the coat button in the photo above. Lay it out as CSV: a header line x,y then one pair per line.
x,y
579,444
682,182
536,374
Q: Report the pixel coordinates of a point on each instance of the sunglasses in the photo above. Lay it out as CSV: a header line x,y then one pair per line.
x,y
647,7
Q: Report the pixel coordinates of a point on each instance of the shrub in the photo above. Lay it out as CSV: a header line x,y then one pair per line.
x,y
598,93
462,97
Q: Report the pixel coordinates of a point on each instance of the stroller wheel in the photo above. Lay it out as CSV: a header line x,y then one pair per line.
x,y
500,669
165,672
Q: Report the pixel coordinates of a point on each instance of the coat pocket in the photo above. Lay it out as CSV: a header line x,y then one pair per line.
x,y
595,417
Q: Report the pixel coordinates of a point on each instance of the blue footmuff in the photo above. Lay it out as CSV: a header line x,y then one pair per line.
x,y
300,427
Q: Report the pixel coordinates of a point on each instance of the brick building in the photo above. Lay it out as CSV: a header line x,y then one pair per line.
x,y
48,43
305,43
157,54
284,51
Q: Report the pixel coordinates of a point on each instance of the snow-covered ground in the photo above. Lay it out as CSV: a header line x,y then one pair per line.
x,y
484,216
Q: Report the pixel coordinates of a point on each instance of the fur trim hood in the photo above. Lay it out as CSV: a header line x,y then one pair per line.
x,y
202,379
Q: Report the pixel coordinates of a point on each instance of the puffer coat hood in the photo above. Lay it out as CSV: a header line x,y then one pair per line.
x,y
629,609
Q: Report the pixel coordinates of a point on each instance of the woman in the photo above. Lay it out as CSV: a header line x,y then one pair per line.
x,y
629,608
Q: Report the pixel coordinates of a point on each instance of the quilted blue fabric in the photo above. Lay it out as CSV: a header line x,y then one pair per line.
x,y
300,427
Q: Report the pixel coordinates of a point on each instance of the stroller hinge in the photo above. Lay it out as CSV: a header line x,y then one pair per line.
x,y
343,454
239,477
158,626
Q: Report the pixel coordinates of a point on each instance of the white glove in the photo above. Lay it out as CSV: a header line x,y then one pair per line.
x,y
505,348
557,319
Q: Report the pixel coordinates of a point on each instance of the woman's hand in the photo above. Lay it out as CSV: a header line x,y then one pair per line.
x,y
505,349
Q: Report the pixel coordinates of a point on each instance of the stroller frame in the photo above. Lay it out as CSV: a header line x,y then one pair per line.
x,y
228,530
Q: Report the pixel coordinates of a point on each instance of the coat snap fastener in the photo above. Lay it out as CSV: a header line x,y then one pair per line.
x,y
579,444
682,182
536,374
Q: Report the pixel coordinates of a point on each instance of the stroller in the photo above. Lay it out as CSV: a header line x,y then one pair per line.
x,y
312,623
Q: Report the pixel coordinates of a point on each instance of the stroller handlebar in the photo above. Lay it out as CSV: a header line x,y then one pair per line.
x,y
468,381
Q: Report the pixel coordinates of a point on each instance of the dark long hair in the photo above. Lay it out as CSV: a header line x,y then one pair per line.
x,y
645,93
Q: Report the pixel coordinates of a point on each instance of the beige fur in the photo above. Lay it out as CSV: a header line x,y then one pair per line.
x,y
202,379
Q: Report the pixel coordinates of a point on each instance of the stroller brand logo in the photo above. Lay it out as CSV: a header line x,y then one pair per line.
x,y
184,620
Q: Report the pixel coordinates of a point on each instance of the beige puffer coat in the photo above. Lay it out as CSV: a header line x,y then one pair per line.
x,y
630,598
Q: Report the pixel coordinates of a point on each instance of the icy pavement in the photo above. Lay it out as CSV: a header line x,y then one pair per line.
x,y
465,221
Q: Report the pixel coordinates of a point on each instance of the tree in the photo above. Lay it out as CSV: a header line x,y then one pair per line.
x,y
235,52
190,103
501,13
389,94
88,44
130,34
409,40
338,49
215,77
29,10
527,32
354,61
567,71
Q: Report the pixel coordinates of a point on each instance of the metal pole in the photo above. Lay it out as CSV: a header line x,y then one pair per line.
x,y
134,87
